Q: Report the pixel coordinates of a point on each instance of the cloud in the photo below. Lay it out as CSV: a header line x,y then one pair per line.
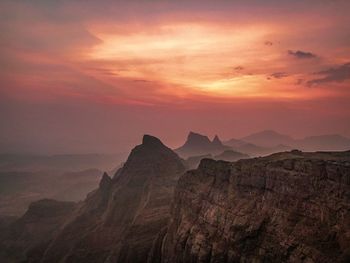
x,y
278,75
336,74
301,54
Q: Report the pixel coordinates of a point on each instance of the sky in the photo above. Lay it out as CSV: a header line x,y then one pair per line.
x,y
94,76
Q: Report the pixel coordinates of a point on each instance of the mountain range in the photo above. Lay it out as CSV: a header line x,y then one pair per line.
x,y
260,144
270,139
286,207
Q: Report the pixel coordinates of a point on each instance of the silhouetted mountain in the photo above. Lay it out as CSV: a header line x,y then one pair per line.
x,y
332,142
197,144
267,142
269,138
255,150
120,221
59,162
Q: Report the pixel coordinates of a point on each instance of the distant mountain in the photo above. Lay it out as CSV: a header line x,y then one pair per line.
x,y
59,162
255,150
268,141
231,156
269,138
197,144
332,142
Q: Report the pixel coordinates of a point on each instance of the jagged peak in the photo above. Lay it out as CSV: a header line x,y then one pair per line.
x,y
105,182
216,140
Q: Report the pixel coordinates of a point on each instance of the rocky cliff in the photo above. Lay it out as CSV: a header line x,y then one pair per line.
x,y
120,221
288,207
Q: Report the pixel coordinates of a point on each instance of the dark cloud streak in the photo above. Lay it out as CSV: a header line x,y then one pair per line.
x,y
301,54
336,74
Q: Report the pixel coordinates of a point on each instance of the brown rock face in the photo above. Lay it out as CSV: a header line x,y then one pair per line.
x,y
288,207
120,221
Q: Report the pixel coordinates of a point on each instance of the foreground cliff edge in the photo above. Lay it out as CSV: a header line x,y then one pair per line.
x,y
287,207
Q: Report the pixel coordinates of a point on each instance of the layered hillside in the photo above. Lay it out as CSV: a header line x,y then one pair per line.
x,y
288,207
120,221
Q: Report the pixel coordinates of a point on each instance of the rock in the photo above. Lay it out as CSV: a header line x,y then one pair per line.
x,y
288,207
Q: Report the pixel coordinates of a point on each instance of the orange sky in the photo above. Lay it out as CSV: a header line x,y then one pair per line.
x,y
166,67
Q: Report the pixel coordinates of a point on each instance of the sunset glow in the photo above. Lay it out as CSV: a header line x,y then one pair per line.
x,y
185,58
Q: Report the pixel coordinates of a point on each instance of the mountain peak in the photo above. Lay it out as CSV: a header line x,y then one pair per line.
x,y
150,140
105,182
216,141
192,136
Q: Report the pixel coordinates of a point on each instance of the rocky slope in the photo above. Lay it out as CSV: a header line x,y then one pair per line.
x,y
36,227
120,221
288,207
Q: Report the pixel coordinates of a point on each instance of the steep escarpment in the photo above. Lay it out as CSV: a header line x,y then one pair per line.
x,y
120,221
34,229
288,207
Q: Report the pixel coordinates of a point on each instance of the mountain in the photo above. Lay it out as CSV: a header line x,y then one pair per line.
x,y
267,142
197,144
269,138
332,142
255,150
37,226
287,207
120,221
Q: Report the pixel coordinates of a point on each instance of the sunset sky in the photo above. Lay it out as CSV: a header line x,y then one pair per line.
x,y
93,76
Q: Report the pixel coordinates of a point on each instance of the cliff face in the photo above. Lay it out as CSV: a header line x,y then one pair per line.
x,y
288,207
120,221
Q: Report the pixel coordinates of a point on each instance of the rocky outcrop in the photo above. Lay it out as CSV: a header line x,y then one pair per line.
x,y
120,221
34,229
197,144
228,155
288,207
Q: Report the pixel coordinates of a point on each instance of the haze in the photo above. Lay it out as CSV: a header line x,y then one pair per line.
x,y
94,77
